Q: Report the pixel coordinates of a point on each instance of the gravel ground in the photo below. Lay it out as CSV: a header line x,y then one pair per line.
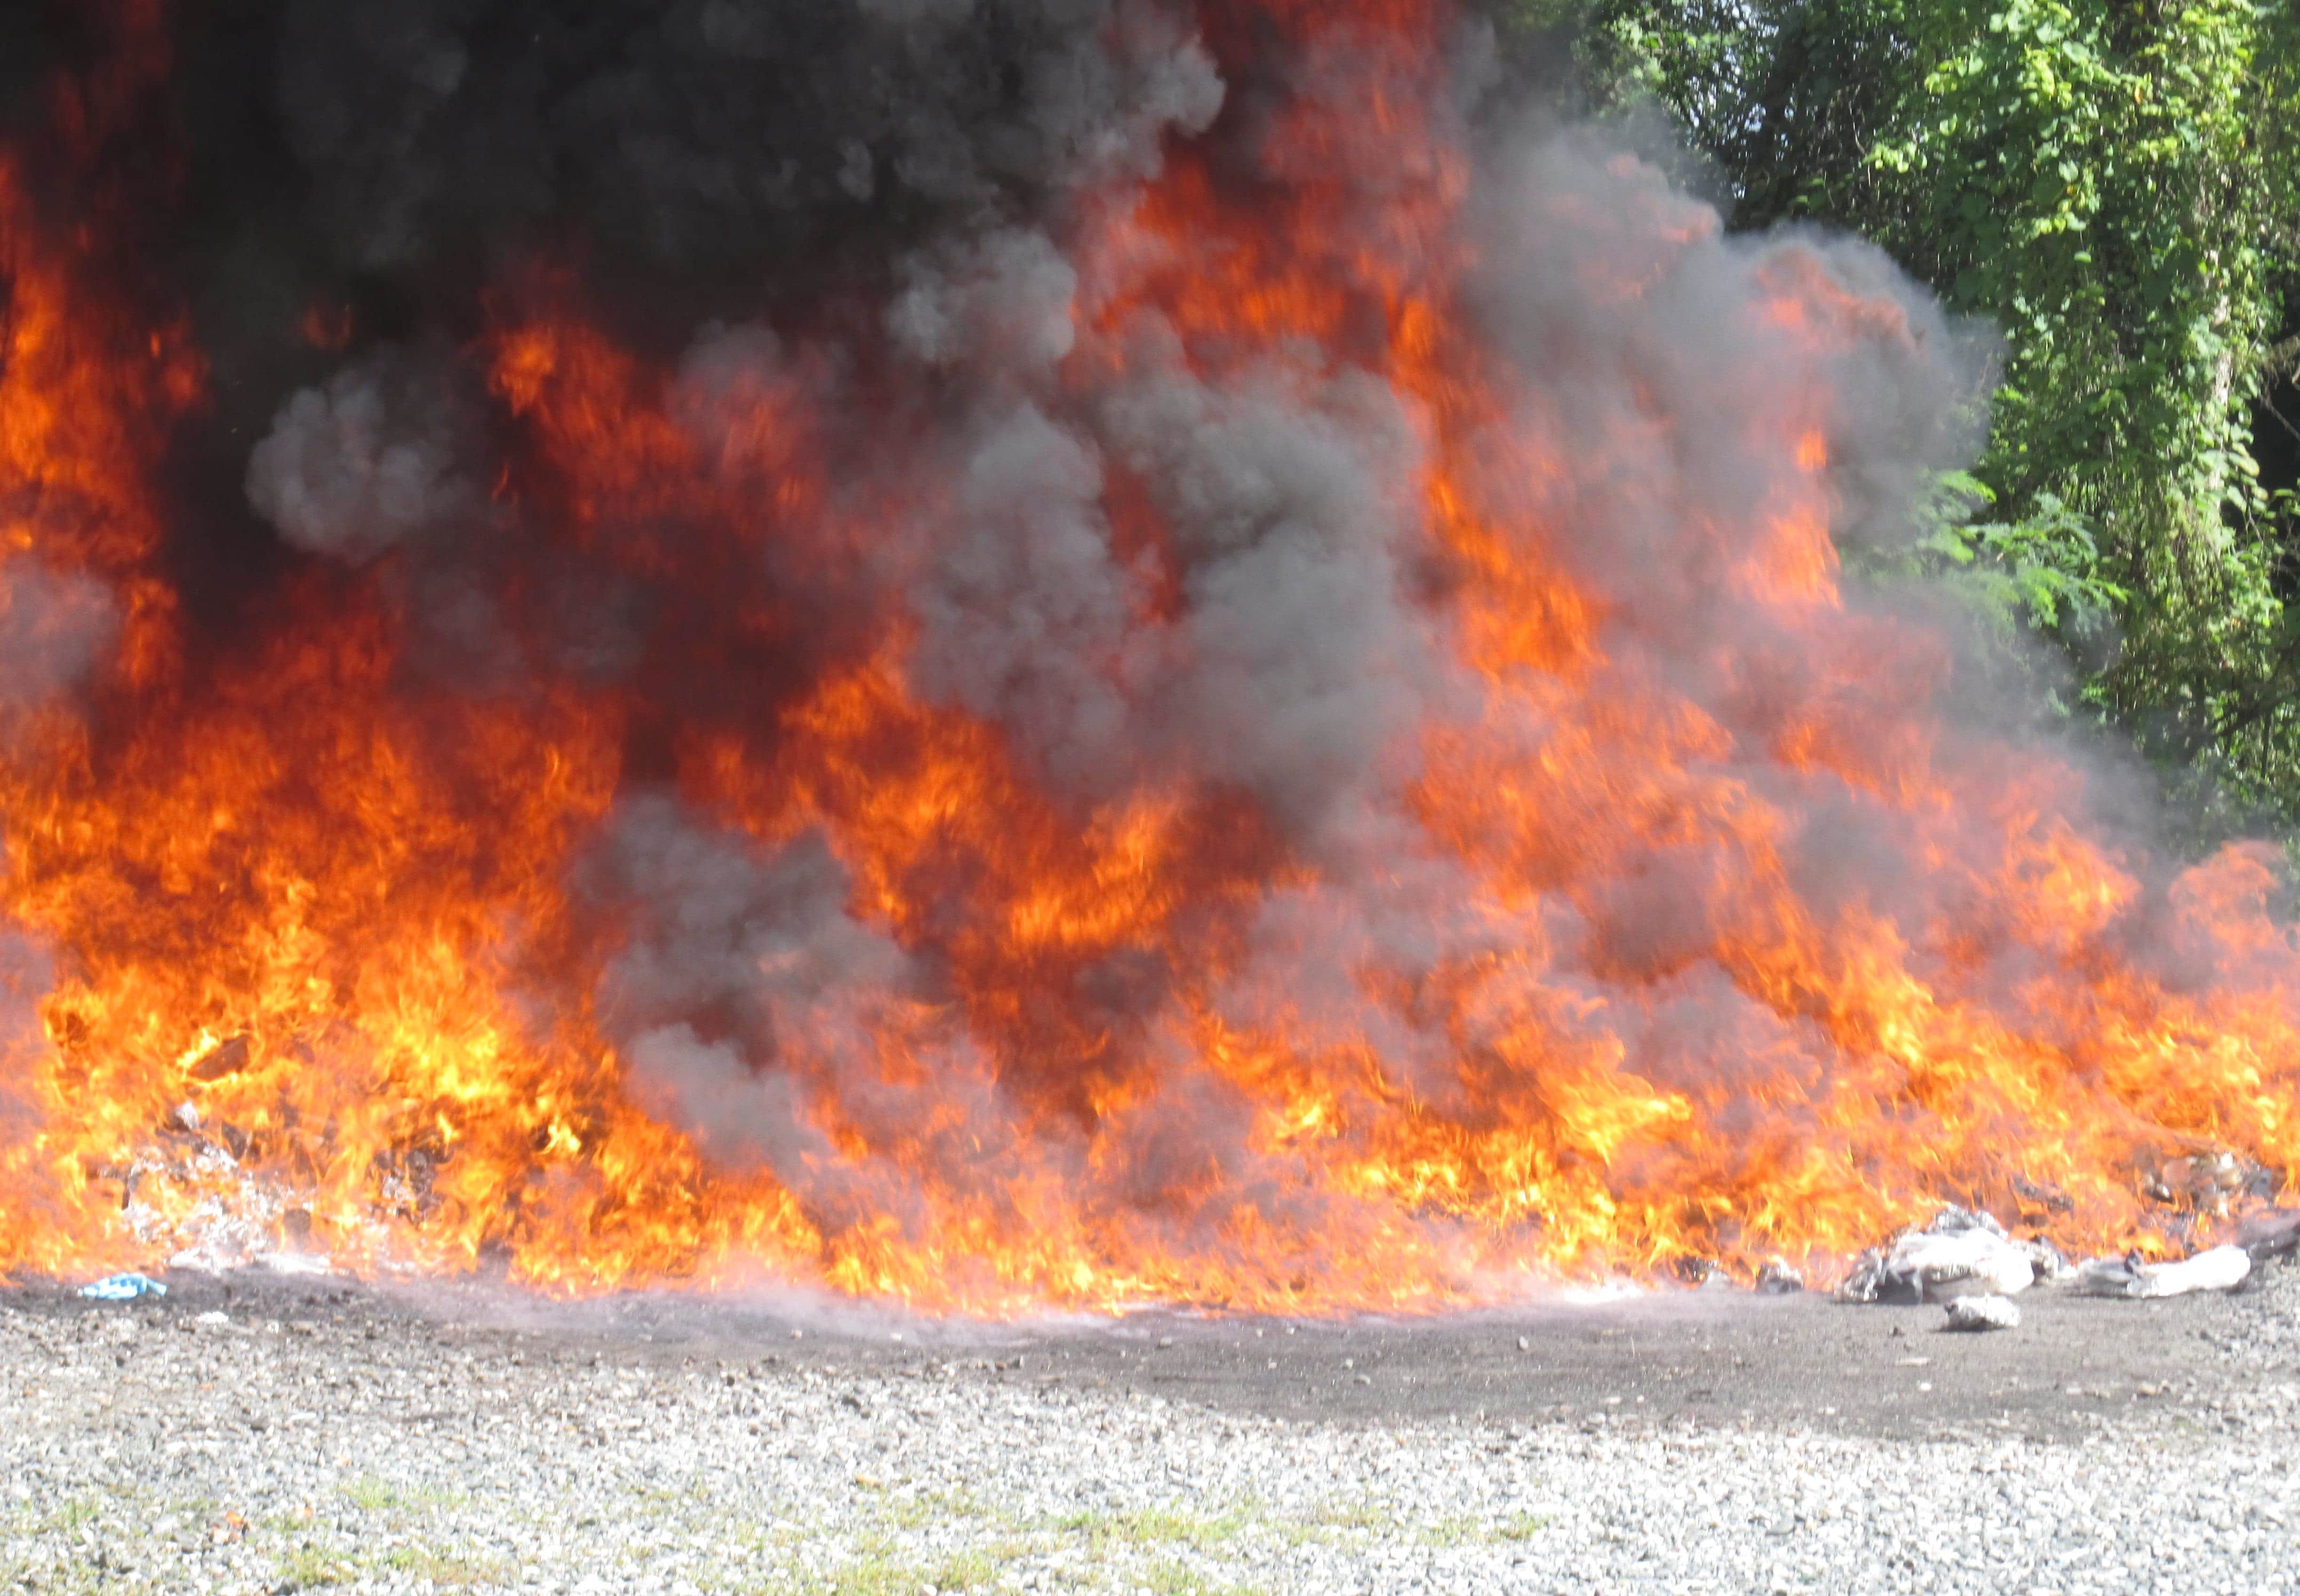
x,y
257,1434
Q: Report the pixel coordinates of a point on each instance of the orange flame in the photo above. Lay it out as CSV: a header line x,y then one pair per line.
x,y
312,953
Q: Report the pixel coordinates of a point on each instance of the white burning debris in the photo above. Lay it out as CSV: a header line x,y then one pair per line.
x,y
1967,1260
1989,1312
1961,1252
2052,1266
1778,1279
192,1196
2216,1269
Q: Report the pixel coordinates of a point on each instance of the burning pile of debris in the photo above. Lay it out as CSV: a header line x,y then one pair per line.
x,y
1966,1260
2209,1219
190,1198
1960,1253
1035,652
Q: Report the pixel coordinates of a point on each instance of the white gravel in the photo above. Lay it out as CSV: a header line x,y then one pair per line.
x,y
143,1449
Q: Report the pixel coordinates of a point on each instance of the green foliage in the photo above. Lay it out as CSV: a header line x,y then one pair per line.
x,y
2040,573
2116,186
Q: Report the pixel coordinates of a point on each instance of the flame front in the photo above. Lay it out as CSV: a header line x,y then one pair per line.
x,y
1289,735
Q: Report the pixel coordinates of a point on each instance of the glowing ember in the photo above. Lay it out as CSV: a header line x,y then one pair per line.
x,y
1286,733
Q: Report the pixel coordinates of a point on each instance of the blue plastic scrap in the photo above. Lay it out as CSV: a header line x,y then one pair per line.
x,y
120,1288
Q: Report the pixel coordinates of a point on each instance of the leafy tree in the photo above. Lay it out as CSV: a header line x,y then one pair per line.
x,y
2115,185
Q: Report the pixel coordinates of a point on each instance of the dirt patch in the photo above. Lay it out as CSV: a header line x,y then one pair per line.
x,y
1705,1358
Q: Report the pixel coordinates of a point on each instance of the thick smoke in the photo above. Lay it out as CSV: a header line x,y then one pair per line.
x,y
714,134
743,981
760,954
1301,657
1005,298
1286,642
753,1012
1630,314
376,457
1026,615
1040,631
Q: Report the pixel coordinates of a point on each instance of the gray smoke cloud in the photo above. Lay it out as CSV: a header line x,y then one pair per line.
x,y
744,988
1004,300
749,947
703,132
376,457
753,1012
1296,656
1301,657
54,628
1287,640
1026,615
1679,392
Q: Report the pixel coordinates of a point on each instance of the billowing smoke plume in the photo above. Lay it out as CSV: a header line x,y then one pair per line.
x,y
366,462
714,135
997,648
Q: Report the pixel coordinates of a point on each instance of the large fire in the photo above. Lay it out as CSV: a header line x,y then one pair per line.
x,y
1285,732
